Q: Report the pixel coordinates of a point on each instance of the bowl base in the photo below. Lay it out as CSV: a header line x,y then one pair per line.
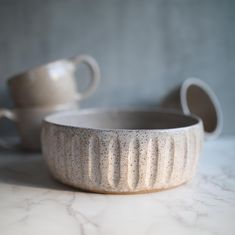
x,y
121,193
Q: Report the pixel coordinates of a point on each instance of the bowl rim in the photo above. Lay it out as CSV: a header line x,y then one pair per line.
x,y
197,120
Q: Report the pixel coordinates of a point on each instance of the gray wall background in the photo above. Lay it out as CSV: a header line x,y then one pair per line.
x,y
144,48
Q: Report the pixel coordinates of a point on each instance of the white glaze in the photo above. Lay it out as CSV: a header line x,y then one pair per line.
x,y
121,160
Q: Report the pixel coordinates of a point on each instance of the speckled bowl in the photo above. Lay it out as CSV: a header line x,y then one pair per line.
x,y
122,151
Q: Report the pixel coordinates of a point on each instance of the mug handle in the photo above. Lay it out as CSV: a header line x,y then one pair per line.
x,y
95,72
9,114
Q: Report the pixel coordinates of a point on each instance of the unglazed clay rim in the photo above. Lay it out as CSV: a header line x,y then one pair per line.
x,y
214,100
95,111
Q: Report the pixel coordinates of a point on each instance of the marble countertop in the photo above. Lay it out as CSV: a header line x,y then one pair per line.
x,y
31,202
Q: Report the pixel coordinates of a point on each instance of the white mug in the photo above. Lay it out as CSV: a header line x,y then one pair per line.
x,y
28,123
53,83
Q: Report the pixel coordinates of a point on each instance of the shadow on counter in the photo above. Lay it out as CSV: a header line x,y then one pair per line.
x,y
27,169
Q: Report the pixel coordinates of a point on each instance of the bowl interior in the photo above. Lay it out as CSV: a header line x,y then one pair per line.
x,y
122,119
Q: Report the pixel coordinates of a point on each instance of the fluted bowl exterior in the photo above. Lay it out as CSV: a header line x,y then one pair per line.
x,y
121,161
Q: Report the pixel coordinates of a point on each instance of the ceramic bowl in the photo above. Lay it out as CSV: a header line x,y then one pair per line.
x,y
122,151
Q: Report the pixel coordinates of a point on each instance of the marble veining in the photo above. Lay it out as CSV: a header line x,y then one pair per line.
x,y
32,202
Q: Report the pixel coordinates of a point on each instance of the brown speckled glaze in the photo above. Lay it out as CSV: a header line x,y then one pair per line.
x,y
121,160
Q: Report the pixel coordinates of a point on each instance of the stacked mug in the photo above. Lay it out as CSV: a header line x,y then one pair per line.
x,y
44,90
